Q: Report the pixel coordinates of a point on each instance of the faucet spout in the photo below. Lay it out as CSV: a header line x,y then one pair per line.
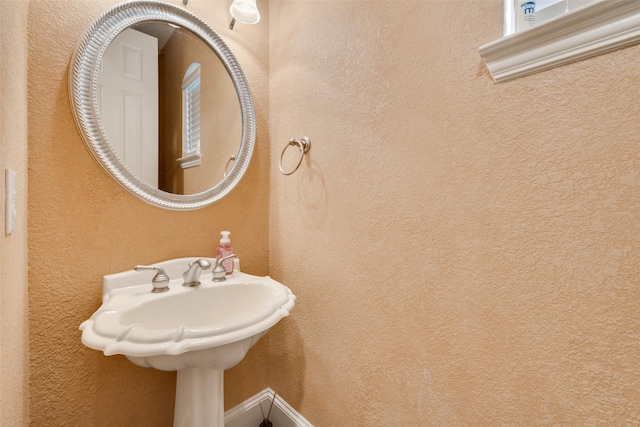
x,y
192,275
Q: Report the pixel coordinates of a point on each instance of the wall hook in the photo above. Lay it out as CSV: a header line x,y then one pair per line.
x,y
304,144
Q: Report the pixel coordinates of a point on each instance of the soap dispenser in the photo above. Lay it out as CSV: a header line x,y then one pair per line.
x,y
224,250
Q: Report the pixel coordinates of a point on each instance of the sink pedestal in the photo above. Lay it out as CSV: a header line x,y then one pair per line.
x,y
199,398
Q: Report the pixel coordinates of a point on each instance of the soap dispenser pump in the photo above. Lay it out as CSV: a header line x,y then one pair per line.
x,y
224,250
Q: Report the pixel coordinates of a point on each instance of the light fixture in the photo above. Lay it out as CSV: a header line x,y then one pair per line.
x,y
245,11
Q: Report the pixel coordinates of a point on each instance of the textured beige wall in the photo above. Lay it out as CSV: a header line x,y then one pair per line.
x,y
82,226
464,253
13,247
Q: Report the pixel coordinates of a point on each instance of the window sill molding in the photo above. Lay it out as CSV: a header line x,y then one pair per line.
x,y
599,27
190,161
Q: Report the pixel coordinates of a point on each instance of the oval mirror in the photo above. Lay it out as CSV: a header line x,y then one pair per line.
x,y
162,104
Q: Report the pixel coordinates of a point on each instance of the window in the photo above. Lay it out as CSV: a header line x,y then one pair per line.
x,y
544,10
191,156
594,28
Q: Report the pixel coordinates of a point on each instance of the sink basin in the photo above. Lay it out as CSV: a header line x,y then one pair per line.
x,y
197,331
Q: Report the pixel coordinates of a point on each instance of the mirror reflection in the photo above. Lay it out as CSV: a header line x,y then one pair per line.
x,y
169,107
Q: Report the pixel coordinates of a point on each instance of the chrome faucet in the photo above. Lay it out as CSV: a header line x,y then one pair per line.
x,y
192,275
160,281
219,272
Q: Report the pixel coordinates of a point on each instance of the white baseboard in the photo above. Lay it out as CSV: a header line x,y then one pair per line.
x,y
248,414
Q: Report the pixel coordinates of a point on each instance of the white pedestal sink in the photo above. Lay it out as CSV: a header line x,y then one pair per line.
x,y
197,331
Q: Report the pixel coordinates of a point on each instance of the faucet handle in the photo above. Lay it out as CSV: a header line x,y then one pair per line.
x,y
219,272
160,281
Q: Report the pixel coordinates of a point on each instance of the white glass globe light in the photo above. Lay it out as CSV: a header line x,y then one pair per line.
x,y
245,11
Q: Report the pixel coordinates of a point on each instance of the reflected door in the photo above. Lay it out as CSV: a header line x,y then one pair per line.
x,y
128,90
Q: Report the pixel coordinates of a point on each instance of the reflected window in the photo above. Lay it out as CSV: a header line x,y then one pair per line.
x,y
191,117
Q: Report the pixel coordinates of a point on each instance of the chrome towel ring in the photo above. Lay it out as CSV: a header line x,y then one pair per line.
x,y
304,144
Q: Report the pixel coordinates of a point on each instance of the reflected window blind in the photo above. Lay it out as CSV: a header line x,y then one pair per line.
x,y
191,113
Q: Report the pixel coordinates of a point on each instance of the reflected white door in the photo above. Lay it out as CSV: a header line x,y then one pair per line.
x,y
128,101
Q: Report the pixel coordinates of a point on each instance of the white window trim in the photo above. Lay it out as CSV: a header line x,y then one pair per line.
x,y
594,29
188,160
